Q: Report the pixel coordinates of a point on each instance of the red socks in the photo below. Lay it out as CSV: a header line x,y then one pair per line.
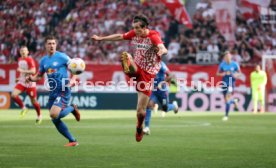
x,y
21,105
140,120
19,102
37,108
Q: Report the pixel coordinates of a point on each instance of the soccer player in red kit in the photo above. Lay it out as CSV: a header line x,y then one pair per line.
x,y
26,67
148,49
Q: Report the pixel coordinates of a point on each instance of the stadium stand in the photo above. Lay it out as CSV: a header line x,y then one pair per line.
x,y
73,22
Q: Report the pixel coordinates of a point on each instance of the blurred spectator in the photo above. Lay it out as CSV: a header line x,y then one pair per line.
x,y
236,57
24,22
173,49
212,47
74,22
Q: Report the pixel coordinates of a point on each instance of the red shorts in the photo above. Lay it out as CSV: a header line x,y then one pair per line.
x,y
30,91
144,81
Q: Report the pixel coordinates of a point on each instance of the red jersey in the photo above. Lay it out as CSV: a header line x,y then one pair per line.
x,y
26,64
145,55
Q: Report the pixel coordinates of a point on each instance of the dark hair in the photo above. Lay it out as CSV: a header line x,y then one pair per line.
x,y
23,46
142,19
50,37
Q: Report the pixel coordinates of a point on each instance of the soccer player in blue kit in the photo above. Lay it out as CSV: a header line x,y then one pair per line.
x,y
160,94
229,70
54,64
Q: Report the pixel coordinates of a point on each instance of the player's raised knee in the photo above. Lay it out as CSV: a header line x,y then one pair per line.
x,y
150,105
54,115
141,110
13,96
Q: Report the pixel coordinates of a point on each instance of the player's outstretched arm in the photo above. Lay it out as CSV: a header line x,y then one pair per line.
x,y
161,50
238,73
34,78
220,73
113,37
169,76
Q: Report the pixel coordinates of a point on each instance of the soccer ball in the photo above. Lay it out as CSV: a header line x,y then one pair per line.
x,y
76,66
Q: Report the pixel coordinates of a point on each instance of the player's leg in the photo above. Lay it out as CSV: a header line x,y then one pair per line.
x,y
166,106
163,100
15,96
255,100
128,64
150,106
60,110
55,114
37,109
32,94
143,100
227,106
261,94
228,101
232,100
224,91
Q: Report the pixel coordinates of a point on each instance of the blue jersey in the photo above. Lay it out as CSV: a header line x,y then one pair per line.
x,y
55,67
161,95
161,76
229,69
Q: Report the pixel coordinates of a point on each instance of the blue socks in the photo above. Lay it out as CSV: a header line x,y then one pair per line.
x,y
148,114
61,127
65,111
228,104
147,118
170,107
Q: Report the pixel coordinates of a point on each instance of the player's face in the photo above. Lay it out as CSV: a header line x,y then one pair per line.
x,y
258,68
24,52
51,46
228,57
139,31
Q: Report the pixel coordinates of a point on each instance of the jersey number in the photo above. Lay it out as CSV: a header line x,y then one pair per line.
x,y
57,100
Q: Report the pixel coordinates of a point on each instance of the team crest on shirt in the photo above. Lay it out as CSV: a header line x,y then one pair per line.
x,y
50,71
55,63
23,64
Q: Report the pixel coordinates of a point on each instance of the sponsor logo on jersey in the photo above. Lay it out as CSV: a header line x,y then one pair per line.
x,y
50,71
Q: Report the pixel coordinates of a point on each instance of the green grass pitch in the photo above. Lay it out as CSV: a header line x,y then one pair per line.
x,y
106,138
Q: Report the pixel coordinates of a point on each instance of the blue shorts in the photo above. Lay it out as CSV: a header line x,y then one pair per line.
x,y
227,90
161,97
61,100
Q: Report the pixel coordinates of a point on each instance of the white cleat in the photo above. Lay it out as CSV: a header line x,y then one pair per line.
x,y
163,114
225,118
176,106
146,131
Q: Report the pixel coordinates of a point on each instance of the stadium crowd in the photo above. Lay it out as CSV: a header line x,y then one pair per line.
x,y
27,23
253,39
74,22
